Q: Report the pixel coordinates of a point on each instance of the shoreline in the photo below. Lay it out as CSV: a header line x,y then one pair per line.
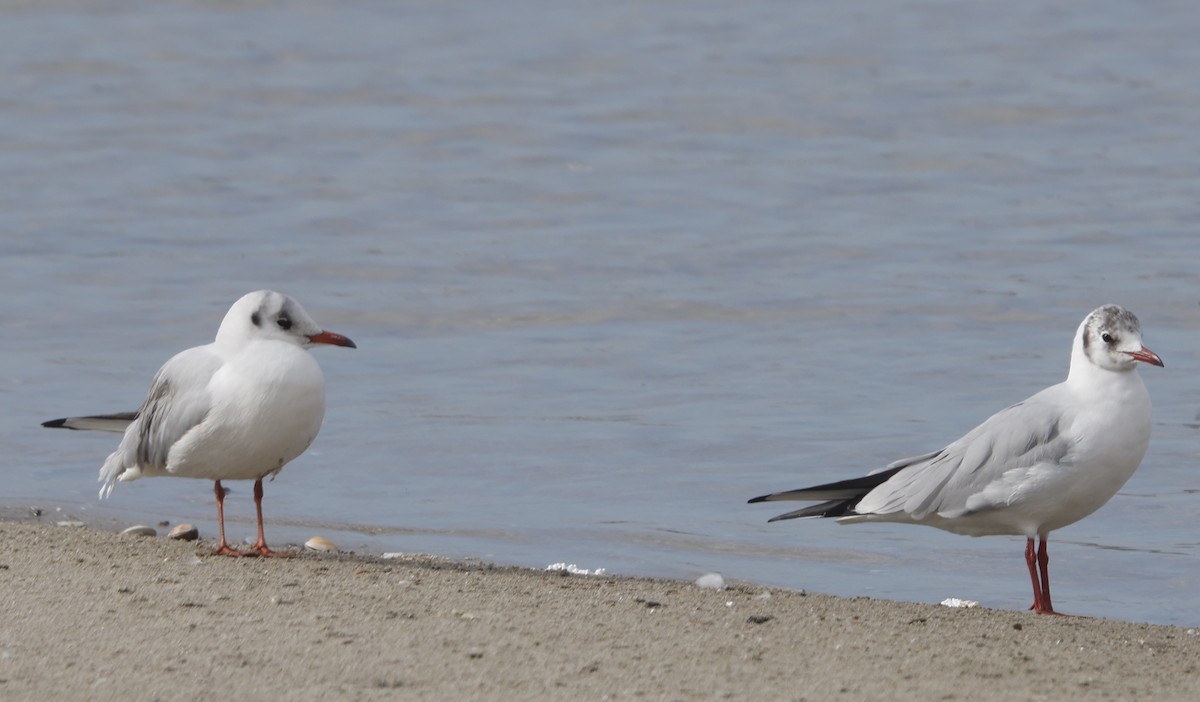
x,y
90,614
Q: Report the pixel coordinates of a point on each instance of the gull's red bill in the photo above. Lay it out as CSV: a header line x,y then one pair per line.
x,y
328,337
1145,355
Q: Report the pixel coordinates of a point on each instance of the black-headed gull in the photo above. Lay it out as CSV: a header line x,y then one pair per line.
x,y
239,408
1034,467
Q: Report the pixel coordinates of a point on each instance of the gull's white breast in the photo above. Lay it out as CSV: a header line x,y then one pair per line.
x,y
267,405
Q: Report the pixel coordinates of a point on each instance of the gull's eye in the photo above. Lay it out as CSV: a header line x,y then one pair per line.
x,y
1106,337
285,323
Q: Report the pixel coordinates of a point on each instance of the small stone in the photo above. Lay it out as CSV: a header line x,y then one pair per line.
x,y
711,581
320,543
759,618
72,523
184,532
139,530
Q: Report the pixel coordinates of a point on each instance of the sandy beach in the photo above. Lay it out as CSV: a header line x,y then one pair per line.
x,y
88,614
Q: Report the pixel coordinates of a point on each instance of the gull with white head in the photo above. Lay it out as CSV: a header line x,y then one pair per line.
x,y
1034,467
239,408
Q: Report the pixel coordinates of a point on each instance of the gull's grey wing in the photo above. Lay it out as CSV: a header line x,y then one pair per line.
x,y
838,499
177,402
966,476
956,480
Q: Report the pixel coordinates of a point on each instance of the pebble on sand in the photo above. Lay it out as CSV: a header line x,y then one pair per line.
x,y
712,581
184,532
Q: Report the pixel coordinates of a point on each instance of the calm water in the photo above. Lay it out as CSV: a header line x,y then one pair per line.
x,y
614,268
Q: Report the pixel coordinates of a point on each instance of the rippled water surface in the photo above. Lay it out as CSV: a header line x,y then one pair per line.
x,y
614,268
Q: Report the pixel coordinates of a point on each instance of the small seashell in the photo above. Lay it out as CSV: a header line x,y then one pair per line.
x,y
320,543
184,532
72,523
572,569
139,530
711,581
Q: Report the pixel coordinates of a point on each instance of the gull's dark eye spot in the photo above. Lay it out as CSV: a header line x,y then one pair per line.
x,y
256,320
1106,337
284,323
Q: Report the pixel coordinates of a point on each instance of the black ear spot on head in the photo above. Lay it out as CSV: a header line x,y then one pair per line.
x,y
256,320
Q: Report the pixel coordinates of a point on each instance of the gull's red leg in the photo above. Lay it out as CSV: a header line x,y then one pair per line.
x,y
260,546
1039,573
1031,561
1043,558
223,547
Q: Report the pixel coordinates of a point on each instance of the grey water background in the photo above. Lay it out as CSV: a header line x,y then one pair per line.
x,y
614,268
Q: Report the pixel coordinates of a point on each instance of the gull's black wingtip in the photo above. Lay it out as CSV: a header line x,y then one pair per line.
x,y
60,423
752,500
831,508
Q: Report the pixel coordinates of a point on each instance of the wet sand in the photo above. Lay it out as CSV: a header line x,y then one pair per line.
x,y
88,614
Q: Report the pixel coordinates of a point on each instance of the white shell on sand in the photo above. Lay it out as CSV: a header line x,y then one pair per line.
x,y
139,530
320,543
712,581
184,532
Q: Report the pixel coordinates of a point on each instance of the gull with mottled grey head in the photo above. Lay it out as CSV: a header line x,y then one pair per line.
x,y
1034,467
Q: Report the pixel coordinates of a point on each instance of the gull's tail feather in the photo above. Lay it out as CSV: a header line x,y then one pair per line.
x,y
99,422
115,468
